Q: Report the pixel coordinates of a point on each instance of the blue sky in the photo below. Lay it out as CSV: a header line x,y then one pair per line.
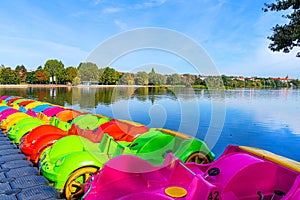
x,y
233,33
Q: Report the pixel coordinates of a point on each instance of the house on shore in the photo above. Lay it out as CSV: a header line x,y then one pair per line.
x,y
284,80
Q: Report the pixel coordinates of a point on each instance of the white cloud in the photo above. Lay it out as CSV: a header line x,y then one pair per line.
x,y
96,2
123,26
110,10
149,4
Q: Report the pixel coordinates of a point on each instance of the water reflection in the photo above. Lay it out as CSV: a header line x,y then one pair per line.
x,y
271,108
92,97
267,119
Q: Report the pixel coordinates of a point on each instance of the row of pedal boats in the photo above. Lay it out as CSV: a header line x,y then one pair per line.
x,y
91,156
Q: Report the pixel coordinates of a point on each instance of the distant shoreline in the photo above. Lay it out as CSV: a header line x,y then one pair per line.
x,y
65,86
24,86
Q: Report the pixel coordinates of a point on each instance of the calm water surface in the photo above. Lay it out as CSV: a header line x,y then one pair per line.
x,y
268,119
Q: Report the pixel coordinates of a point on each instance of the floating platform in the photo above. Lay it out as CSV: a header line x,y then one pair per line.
x,y
19,179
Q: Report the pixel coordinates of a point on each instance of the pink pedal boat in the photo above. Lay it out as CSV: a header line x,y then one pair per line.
x,y
5,113
52,111
241,173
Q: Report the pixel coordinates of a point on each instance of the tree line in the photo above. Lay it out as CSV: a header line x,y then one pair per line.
x,y
54,72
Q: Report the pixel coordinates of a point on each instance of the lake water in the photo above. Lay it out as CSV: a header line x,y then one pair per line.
x,y
267,119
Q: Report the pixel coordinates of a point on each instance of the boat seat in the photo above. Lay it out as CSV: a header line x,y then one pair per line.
x,y
154,179
113,128
134,132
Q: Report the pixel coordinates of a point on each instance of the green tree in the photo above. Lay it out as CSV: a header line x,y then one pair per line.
x,y
152,77
214,82
174,79
9,76
239,84
295,83
126,79
285,37
88,71
161,79
22,72
189,79
61,75
30,77
109,76
271,83
226,80
1,75
199,81
71,73
259,84
76,80
263,82
156,79
141,78
54,68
